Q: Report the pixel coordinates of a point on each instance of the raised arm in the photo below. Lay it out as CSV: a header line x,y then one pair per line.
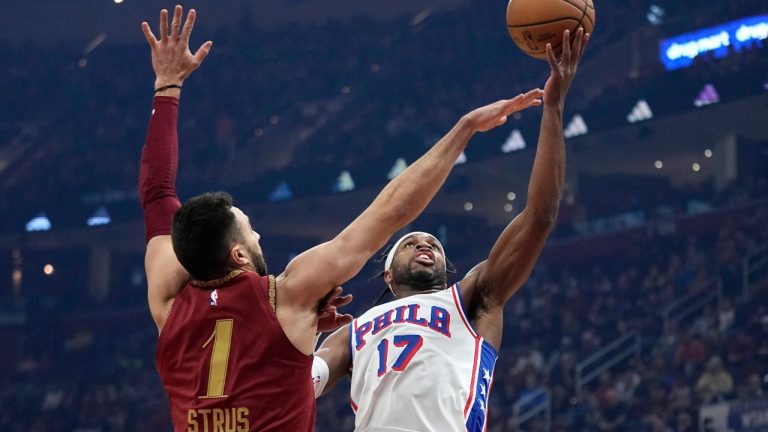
x,y
172,63
512,258
331,362
312,274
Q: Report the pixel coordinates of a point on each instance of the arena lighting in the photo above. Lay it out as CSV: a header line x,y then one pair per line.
x,y
344,183
397,168
421,16
576,127
514,142
655,14
282,192
707,96
640,112
462,159
679,51
100,217
38,223
94,43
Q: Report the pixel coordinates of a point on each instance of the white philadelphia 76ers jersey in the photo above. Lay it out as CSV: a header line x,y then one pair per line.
x,y
417,365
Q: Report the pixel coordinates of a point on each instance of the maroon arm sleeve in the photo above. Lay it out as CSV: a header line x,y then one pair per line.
x,y
159,164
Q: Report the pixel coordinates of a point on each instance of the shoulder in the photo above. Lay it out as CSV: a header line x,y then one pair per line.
x,y
255,279
474,294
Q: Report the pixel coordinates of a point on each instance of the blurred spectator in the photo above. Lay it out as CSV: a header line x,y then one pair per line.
x,y
715,383
613,416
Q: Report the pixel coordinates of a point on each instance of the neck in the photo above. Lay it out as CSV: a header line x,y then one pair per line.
x,y
220,281
402,291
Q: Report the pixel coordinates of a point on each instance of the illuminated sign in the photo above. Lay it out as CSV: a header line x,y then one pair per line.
x,y
679,51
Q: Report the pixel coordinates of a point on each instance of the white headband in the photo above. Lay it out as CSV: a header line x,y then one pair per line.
x,y
391,254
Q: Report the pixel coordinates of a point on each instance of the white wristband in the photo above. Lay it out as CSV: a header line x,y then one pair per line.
x,y
320,373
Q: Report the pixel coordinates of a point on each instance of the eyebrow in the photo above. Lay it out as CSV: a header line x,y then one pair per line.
x,y
431,240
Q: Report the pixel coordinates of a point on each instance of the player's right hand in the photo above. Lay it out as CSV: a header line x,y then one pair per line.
x,y
329,319
491,116
172,60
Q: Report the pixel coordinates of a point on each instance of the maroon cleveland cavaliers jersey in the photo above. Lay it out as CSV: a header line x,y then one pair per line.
x,y
227,365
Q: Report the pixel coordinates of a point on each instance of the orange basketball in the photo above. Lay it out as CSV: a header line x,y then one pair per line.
x,y
534,23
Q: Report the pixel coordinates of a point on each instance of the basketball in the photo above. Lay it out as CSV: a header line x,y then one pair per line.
x,y
533,24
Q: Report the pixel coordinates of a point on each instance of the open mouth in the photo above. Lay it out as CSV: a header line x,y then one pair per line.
x,y
425,258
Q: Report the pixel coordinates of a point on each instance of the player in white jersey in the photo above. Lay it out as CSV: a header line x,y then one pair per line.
x,y
424,362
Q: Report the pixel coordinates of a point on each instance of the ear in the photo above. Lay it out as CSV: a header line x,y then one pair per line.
x,y
388,279
238,257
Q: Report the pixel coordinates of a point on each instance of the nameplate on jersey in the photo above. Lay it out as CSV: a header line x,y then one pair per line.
x,y
436,319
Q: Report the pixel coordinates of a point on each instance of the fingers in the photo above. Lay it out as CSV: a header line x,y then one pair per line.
x,y
151,40
566,57
334,293
584,43
342,300
522,101
535,102
188,25
202,52
176,23
344,319
577,44
164,25
551,59
533,94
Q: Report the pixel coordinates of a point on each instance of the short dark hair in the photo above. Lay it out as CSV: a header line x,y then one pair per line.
x,y
203,231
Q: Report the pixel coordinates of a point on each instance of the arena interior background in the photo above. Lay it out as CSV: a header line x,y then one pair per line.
x,y
647,311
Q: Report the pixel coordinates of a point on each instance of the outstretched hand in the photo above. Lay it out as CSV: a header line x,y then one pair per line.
x,y
491,116
172,60
329,318
563,71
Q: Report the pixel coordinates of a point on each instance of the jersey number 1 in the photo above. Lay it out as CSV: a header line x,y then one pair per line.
x,y
217,373
412,344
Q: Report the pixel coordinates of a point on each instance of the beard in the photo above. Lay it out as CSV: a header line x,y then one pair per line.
x,y
422,279
259,265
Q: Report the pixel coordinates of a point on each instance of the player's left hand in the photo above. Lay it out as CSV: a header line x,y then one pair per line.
x,y
563,71
329,319
172,60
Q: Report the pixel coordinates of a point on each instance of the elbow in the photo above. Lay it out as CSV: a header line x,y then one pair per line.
x,y
399,208
403,213
545,218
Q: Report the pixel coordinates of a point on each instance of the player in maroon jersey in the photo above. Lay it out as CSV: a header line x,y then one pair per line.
x,y
236,344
